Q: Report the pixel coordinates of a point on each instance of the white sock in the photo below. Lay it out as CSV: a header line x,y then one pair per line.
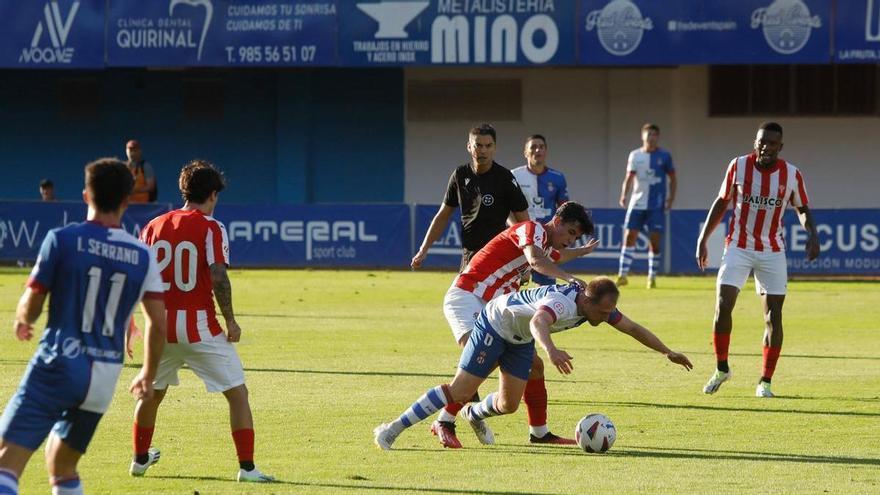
x,y
626,259
539,431
445,416
654,260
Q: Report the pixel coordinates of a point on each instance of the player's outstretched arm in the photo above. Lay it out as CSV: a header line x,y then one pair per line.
x,y
29,308
223,293
438,225
569,254
539,326
651,341
154,342
545,266
713,218
805,216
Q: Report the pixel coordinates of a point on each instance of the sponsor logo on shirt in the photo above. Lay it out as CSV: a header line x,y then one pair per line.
x,y
761,200
71,347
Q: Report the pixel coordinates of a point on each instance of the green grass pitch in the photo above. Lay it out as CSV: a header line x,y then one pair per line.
x,y
331,354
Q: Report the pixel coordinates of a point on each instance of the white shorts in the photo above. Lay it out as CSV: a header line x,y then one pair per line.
x,y
214,360
771,271
461,309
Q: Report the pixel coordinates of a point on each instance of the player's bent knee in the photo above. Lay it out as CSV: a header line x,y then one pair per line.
x,y
61,459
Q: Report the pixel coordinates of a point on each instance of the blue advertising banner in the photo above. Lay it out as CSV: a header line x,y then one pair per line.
x,y
446,252
857,31
52,34
317,235
642,32
24,224
221,33
462,32
379,236
849,240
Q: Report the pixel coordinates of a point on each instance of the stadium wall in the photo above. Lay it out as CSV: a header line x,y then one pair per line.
x,y
592,117
298,136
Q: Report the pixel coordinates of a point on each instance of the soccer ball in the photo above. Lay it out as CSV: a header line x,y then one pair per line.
x,y
595,433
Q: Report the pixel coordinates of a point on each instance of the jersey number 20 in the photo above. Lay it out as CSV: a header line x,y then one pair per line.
x,y
164,257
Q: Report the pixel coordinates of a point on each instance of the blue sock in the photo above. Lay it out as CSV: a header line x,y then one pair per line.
x,y
626,259
485,408
8,482
429,403
654,262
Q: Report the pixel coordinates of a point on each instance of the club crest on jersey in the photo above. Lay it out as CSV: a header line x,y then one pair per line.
x,y
467,180
550,186
488,200
558,307
782,190
71,347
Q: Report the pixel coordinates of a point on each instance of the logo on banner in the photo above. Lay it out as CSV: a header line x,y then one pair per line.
x,y
620,26
312,231
393,17
3,233
787,25
872,21
209,12
164,32
56,30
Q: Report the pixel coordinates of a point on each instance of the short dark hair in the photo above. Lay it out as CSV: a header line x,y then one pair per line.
x,y
770,126
198,179
109,183
599,288
650,126
571,211
483,130
46,184
537,136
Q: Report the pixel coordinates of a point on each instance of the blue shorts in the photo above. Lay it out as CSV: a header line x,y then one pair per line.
x,y
485,347
651,220
47,400
541,279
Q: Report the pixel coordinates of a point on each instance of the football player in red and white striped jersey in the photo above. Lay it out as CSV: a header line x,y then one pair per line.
x,y
193,253
760,185
496,269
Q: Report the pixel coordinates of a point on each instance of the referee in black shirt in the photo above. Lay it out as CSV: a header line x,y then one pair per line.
x,y
487,194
